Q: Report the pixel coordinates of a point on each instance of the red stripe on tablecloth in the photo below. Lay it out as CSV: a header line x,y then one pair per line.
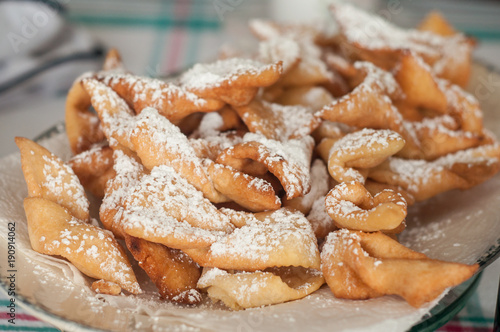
x,y
181,10
175,49
456,327
19,316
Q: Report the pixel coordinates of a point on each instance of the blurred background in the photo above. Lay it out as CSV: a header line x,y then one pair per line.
x,y
48,43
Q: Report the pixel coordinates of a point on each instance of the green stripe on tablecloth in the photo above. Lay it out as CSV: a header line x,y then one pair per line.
x,y
199,23
484,320
4,302
483,34
27,328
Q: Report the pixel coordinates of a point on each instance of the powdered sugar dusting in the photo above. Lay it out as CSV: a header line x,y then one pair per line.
x,y
297,153
375,33
207,76
370,139
157,93
60,180
165,204
265,236
279,49
128,173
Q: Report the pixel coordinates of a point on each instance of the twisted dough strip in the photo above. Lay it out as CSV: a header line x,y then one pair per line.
x,y
319,188
234,81
251,192
160,209
94,168
288,161
128,172
58,216
350,157
82,126
423,179
440,135
173,272
93,251
271,286
427,138
117,118
437,94
265,239
159,142
173,102
48,177
155,139
427,93
449,56
351,206
276,121
164,208
321,222
370,105
359,265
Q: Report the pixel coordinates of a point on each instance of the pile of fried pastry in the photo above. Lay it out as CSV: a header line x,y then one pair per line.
x,y
256,179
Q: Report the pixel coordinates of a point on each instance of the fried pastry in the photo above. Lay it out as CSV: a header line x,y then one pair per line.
x,y
173,102
128,172
234,80
173,272
93,251
48,177
94,168
266,239
288,161
424,179
159,142
449,56
82,126
165,208
359,265
351,156
276,121
319,188
351,206
116,117
370,104
219,169
241,290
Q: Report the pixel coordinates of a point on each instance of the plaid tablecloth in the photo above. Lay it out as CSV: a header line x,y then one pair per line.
x,y
158,38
